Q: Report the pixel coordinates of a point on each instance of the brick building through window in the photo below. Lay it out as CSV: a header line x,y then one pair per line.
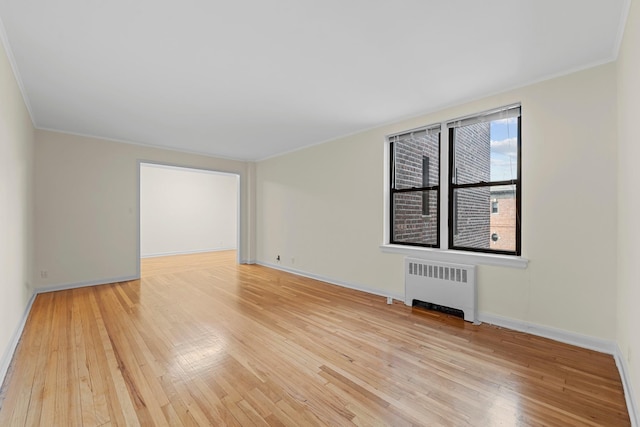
x,y
415,176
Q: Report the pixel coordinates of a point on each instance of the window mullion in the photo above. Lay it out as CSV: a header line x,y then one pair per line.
x,y
444,190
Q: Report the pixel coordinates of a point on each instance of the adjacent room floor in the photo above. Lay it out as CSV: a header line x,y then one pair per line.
x,y
200,341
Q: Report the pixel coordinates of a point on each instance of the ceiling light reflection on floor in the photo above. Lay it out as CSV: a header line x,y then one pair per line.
x,y
199,356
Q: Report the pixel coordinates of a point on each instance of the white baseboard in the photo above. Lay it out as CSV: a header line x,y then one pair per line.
x,y
332,281
629,394
584,341
15,339
53,288
198,251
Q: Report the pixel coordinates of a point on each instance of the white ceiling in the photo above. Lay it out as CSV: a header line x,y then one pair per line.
x,y
255,78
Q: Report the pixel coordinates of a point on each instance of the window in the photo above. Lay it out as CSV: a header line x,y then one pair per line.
x,y
480,203
415,187
484,165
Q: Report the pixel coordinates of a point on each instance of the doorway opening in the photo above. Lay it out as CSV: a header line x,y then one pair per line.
x,y
187,211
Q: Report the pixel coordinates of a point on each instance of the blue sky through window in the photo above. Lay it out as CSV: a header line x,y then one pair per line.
x,y
504,149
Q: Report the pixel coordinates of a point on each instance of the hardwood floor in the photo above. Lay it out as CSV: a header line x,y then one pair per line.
x,y
202,341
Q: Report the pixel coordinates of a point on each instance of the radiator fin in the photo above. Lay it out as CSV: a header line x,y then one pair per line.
x,y
454,274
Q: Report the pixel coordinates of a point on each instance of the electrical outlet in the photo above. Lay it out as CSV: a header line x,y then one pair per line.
x,y
293,260
43,274
278,258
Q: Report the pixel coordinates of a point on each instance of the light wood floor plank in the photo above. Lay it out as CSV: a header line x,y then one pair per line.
x,y
201,341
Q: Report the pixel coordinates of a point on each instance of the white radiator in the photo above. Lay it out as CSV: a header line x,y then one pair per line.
x,y
447,285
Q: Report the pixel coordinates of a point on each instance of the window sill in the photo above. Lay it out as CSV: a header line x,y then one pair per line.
x,y
460,257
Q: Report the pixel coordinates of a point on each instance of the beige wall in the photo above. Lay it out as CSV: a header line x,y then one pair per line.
x,y
321,208
629,197
16,205
86,213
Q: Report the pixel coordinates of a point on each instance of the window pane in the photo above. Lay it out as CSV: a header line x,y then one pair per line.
x,y
474,224
486,152
410,225
416,157
503,222
504,149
